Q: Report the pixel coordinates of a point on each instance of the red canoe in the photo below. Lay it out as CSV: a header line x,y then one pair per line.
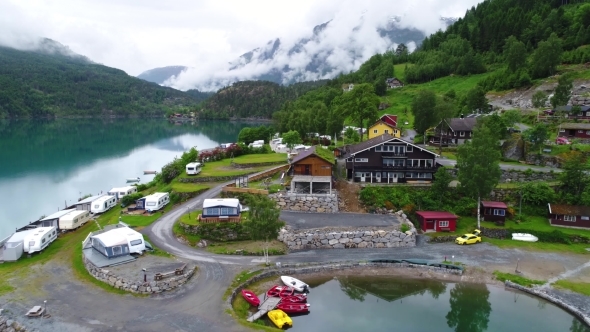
x,y
294,308
280,291
295,298
250,297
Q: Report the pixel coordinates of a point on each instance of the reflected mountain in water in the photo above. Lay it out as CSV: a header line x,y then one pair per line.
x,y
382,287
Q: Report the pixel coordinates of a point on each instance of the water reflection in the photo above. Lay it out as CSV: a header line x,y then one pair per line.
x,y
470,308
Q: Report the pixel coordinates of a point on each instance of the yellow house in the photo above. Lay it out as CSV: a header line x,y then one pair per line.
x,y
381,127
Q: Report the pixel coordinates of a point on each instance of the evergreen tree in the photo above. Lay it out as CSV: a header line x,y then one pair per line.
x,y
563,91
574,179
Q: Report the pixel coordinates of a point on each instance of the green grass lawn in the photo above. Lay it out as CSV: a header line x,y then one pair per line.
x,y
192,239
190,218
539,223
501,276
261,158
248,247
513,185
182,187
578,287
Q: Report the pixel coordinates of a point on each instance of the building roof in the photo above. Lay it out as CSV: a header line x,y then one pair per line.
x,y
583,126
58,214
117,236
362,146
74,213
90,199
492,204
40,231
436,214
390,117
118,189
229,202
104,198
313,150
570,210
193,165
461,124
381,122
568,108
20,236
155,196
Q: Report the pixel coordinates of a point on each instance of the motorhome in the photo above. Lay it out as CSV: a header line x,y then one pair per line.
x,y
193,168
225,145
103,204
153,202
39,240
122,191
74,219
118,242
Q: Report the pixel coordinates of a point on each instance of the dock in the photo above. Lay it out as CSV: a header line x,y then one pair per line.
x,y
269,304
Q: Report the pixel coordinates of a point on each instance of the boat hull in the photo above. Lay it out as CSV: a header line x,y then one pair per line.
x,y
524,237
250,297
294,308
299,285
280,291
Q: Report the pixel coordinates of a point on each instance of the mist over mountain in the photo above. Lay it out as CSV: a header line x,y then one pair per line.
x,y
162,74
337,46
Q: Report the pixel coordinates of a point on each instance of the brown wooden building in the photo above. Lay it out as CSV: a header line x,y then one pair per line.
x,y
569,215
574,130
494,211
312,169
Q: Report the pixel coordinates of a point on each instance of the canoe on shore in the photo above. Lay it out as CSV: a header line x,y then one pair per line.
x,y
524,237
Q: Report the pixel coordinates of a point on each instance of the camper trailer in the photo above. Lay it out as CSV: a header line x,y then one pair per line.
x,y
13,247
122,191
86,203
118,242
153,202
193,168
53,219
73,220
40,239
225,145
103,204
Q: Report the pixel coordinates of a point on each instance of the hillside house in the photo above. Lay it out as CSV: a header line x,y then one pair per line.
x,y
584,113
394,83
381,127
312,171
388,159
494,211
569,215
347,87
454,131
574,130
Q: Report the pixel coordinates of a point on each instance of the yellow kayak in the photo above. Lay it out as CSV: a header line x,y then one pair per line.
x,y
280,318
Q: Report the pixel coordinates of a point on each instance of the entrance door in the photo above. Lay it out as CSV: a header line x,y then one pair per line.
x,y
307,170
363,176
378,177
394,180
430,224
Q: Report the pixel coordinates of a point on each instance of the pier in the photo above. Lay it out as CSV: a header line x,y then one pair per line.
x,y
269,304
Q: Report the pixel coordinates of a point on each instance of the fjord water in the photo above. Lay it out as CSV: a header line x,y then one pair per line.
x,y
373,304
46,163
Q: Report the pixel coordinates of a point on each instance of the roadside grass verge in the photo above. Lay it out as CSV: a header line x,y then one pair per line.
x,y
261,158
578,287
157,251
246,248
190,218
538,223
515,185
501,276
238,279
179,232
575,248
184,187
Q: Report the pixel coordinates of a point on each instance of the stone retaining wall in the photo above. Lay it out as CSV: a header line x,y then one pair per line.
x,y
9,325
362,237
297,269
327,203
558,302
140,287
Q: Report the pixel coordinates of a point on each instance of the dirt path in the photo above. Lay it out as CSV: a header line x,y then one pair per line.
x,y
348,193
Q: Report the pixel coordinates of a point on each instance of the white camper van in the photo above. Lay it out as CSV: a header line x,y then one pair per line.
x,y
156,201
103,204
40,239
119,241
74,219
122,191
193,168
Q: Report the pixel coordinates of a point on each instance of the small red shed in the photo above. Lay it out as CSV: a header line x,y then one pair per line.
x,y
494,211
438,221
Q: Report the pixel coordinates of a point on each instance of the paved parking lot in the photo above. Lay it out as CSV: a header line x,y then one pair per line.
x,y
303,220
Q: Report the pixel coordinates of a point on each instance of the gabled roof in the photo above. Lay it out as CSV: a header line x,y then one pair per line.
x,y
304,154
90,199
461,124
229,202
381,122
492,204
385,138
568,108
570,210
58,214
390,117
436,214
583,126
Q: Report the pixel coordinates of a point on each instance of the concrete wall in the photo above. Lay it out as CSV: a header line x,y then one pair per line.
x,y
363,237
327,203
137,286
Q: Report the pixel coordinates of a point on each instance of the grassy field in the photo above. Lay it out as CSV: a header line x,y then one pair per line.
x,y
223,167
501,276
578,287
182,187
261,158
249,247
539,223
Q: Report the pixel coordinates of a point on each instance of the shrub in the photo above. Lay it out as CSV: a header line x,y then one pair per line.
x,y
130,199
537,193
405,228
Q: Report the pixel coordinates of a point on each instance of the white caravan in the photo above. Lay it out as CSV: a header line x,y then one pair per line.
x,y
119,241
73,219
40,239
122,191
156,201
193,168
103,204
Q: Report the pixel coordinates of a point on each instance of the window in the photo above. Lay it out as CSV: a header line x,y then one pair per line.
x,y
587,132
374,131
96,206
136,242
569,218
212,211
378,148
562,130
225,211
42,240
580,131
462,134
387,131
361,160
409,148
151,204
443,223
585,218
117,250
499,212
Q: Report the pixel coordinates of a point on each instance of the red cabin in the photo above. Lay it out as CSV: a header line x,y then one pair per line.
x,y
437,221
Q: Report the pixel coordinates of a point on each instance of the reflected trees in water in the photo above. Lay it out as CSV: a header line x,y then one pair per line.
x,y
470,308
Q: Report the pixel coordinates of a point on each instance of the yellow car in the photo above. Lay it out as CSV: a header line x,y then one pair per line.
x,y
468,239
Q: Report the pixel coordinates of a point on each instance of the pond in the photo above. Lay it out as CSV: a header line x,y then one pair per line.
x,y
406,304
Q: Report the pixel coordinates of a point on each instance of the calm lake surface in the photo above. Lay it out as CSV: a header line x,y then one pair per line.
x,y
397,304
44,163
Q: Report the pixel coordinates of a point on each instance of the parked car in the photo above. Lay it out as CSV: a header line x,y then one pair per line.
x,y
562,141
468,239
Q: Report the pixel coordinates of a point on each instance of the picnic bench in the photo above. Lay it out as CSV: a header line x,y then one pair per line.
x,y
36,311
177,272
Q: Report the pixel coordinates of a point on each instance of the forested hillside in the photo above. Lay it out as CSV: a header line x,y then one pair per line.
x,y
252,99
36,84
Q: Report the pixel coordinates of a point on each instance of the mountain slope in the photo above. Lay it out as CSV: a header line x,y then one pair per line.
x,y
53,81
162,74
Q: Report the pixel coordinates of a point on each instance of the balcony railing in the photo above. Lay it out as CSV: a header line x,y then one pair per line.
x,y
393,166
420,167
393,154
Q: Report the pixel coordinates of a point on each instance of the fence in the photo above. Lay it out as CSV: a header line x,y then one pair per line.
x,y
212,220
245,190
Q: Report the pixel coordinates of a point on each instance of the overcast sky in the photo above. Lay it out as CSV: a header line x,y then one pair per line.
x,y
137,35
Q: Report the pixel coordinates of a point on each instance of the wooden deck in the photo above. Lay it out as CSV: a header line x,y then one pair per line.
x,y
269,304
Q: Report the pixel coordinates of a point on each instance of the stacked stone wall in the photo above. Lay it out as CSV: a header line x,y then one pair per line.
x,y
325,203
135,286
9,325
